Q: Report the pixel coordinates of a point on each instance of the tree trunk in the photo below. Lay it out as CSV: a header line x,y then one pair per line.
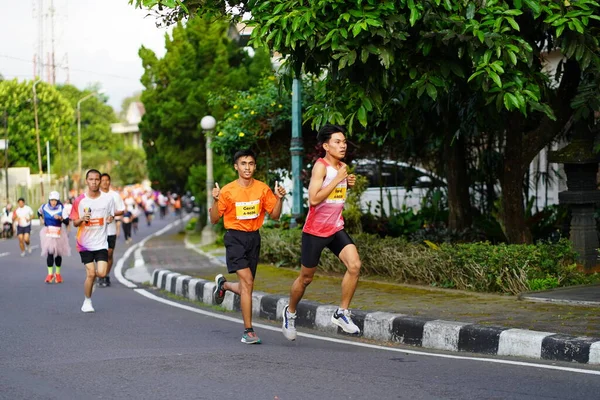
x,y
513,212
459,202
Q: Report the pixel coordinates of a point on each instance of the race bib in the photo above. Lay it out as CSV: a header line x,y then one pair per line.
x,y
95,223
247,209
338,195
53,231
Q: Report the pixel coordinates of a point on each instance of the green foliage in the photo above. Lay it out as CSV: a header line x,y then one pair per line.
x,y
479,267
55,116
253,116
191,224
99,146
223,173
200,60
130,166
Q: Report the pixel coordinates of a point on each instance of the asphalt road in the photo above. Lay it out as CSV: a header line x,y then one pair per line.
x,y
137,348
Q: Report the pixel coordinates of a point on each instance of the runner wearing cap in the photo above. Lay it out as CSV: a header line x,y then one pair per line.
x,y
53,238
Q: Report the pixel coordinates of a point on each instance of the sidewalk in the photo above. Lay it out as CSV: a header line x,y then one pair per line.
x,y
422,304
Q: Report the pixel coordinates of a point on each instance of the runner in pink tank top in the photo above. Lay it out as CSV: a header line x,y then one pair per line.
x,y
324,227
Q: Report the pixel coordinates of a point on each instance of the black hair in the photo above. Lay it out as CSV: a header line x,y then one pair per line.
x,y
92,171
105,175
327,130
21,199
244,153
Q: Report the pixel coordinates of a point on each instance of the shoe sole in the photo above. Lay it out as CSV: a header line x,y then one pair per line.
x,y
255,342
342,326
218,300
291,339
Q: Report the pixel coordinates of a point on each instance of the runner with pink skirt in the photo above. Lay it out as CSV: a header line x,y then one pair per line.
x,y
53,236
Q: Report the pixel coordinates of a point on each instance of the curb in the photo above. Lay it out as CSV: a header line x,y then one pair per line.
x,y
399,328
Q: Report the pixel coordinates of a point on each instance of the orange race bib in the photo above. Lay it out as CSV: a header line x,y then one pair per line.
x,y
247,209
95,223
53,231
338,195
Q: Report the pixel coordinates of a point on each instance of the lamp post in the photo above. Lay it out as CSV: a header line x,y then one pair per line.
x,y
84,98
208,123
37,137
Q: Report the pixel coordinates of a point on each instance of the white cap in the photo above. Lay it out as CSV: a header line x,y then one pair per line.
x,y
54,196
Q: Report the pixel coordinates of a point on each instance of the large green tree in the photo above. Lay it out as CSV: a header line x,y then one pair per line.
x,y
200,60
55,116
383,56
99,146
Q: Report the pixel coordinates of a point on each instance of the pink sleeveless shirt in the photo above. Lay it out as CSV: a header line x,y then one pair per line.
x,y
325,219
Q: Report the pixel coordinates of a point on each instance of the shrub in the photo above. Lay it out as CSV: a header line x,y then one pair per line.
x,y
480,267
191,224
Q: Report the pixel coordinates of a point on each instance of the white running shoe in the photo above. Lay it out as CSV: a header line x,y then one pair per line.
x,y
22,254
342,318
87,306
288,327
29,249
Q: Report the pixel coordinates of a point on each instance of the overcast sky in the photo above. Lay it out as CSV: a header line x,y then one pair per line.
x,y
100,40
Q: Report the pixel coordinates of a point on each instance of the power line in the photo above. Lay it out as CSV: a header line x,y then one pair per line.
x,y
72,69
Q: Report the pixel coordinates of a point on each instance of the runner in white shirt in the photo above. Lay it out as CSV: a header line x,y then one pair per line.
x,y
163,202
22,216
92,212
112,228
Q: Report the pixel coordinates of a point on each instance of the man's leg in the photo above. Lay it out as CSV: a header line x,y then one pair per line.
x,y
90,278
299,286
102,270
21,243
244,289
27,241
349,256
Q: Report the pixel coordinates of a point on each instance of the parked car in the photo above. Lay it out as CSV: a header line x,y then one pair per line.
x,y
398,185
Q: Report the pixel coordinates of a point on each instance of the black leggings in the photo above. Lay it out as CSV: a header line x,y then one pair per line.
x,y
51,259
127,230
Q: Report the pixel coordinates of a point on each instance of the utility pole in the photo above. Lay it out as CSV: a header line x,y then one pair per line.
x,y
37,136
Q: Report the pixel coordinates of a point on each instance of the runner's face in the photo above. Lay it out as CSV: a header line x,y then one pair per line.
x,y
53,203
245,166
21,203
93,181
336,146
105,183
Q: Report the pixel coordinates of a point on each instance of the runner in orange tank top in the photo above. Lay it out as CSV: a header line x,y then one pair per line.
x,y
324,227
243,204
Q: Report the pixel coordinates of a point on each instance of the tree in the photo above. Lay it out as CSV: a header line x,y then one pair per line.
x,y
98,144
130,166
55,115
200,60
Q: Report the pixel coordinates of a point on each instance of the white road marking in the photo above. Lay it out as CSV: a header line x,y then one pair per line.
x,y
145,293
4,254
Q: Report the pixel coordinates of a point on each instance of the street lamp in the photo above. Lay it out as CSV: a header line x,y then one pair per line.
x,y
208,123
37,137
84,98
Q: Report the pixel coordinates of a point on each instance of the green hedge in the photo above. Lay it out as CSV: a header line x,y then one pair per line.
x,y
480,267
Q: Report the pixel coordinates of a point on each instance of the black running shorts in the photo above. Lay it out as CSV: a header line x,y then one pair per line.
x,y
96,255
112,241
22,230
241,250
312,246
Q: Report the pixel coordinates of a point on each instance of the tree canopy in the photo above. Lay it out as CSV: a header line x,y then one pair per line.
x,y
439,71
200,60
55,116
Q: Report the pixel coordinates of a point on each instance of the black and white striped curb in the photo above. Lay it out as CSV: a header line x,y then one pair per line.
x,y
399,328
